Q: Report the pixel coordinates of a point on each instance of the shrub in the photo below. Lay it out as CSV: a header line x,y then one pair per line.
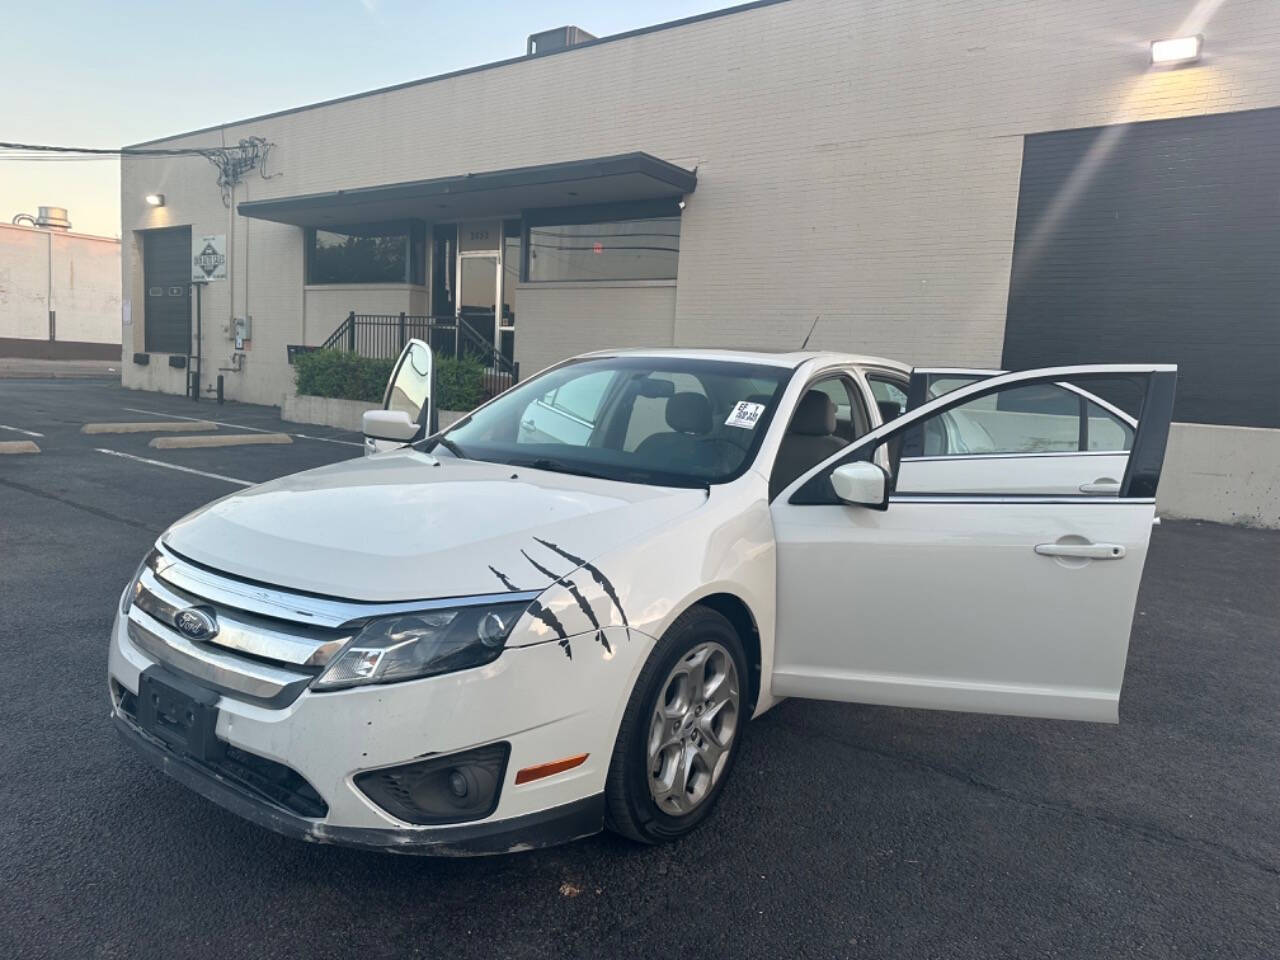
x,y
459,383
346,376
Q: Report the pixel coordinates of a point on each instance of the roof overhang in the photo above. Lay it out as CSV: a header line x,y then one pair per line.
x,y
626,178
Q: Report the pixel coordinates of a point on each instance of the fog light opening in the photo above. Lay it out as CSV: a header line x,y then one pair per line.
x,y
450,789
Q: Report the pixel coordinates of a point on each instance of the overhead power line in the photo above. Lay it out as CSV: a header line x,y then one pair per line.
x,y
232,162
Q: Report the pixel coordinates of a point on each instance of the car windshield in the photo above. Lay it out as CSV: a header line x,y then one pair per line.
x,y
655,420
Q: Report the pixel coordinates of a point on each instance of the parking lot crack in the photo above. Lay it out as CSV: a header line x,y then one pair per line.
x,y
1150,832
79,506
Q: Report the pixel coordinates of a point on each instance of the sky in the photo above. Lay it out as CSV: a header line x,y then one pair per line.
x,y
83,72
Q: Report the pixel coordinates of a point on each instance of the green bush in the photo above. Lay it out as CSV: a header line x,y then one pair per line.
x,y
346,376
459,383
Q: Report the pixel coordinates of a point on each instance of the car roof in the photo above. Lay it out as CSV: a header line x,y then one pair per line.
x,y
790,360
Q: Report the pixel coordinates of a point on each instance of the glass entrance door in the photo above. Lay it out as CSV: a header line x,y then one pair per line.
x,y
480,279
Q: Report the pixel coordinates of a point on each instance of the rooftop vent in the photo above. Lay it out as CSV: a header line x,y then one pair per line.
x,y
561,38
50,218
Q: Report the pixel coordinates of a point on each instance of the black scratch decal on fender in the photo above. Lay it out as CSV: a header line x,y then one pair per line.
x,y
596,575
505,582
572,587
551,620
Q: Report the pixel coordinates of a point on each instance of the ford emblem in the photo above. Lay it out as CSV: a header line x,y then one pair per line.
x,y
195,623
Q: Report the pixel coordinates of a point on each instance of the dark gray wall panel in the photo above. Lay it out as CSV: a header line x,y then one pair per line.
x,y
1156,241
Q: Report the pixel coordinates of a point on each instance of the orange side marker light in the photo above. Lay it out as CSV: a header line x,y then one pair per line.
x,y
540,770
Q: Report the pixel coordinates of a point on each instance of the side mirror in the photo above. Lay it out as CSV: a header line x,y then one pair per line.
x,y
862,483
393,425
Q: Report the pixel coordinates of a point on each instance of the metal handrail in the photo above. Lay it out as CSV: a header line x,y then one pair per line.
x,y
384,336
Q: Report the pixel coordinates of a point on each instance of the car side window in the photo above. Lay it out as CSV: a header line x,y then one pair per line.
x,y
1037,418
890,396
829,416
1106,430
841,393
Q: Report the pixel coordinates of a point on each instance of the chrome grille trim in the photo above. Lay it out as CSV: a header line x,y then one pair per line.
x,y
302,645
221,591
223,670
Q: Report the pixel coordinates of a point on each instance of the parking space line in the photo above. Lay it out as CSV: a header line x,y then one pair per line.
x,y
18,446
174,466
29,433
242,426
219,440
142,426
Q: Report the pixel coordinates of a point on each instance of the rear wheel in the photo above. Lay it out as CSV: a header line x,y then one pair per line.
x,y
680,732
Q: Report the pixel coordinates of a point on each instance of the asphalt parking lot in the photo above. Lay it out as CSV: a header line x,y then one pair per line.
x,y
846,831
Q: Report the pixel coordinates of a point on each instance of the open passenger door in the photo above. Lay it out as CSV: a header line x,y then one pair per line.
x,y
408,409
982,583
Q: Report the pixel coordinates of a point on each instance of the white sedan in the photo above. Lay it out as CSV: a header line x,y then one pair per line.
x,y
559,614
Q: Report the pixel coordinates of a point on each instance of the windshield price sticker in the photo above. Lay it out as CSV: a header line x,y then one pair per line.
x,y
745,415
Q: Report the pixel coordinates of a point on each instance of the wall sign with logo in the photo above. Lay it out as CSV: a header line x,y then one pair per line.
x,y
209,258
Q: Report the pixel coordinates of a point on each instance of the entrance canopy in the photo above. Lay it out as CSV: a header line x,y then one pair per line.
x,y
624,178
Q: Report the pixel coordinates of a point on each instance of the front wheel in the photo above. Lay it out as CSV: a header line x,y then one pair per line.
x,y
680,732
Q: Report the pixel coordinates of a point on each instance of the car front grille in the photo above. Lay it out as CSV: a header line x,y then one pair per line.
x,y
263,646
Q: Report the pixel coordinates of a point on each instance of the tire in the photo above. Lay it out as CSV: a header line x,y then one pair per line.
x,y
646,798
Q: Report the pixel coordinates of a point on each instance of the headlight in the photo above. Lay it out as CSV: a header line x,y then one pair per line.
x,y
413,645
135,585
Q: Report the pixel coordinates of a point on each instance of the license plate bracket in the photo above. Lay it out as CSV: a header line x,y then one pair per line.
x,y
180,713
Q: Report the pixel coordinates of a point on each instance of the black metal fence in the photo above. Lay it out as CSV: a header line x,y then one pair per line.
x,y
384,336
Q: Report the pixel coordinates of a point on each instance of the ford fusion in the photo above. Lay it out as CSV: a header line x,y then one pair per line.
x,y
560,614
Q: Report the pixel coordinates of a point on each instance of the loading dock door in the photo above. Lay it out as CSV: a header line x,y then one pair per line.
x,y
166,274
1156,242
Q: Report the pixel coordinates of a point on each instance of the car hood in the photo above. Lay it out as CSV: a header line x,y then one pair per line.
x,y
402,527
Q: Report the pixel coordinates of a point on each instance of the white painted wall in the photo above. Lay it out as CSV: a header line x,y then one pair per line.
x,y
76,275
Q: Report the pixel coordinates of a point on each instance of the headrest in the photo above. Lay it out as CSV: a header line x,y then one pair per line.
x,y
689,413
816,415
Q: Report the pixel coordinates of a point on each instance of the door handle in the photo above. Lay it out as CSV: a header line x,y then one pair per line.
x,y
1087,551
1103,486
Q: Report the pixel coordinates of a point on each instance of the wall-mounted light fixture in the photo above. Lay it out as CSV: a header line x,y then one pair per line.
x,y
155,199
1168,53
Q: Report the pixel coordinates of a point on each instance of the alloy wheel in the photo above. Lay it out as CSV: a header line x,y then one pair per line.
x,y
692,728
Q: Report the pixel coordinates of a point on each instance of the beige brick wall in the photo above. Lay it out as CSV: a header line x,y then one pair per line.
x,y
557,320
857,160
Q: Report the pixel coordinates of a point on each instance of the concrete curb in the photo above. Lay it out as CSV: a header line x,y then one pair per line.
x,y
220,440
160,426
18,446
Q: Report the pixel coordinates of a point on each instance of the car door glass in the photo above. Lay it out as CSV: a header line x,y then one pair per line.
x,y
817,430
412,384
1068,438
566,414
1039,418
890,397
943,383
1106,430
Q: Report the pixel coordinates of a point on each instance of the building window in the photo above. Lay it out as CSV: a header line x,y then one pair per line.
x,y
608,248
367,253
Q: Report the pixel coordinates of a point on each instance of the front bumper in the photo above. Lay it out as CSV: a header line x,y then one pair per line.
x,y
544,703
561,824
